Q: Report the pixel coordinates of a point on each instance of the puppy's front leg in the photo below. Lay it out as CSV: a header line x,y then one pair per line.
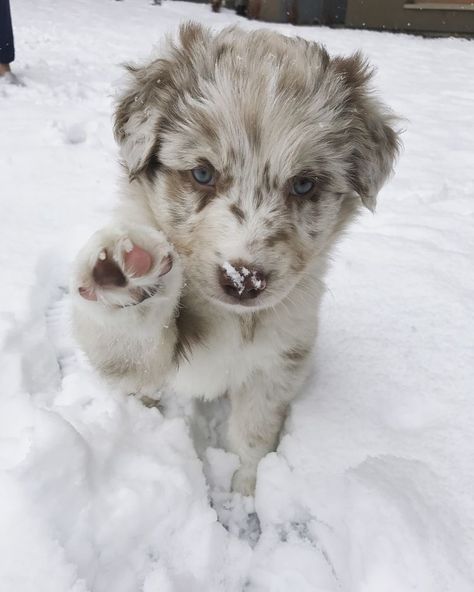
x,y
125,288
258,411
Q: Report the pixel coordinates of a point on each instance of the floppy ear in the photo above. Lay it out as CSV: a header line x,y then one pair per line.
x,y
152,94
376,143
137,116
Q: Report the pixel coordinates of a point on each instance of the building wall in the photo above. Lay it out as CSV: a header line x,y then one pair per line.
x,y
400,15
300,12
437,16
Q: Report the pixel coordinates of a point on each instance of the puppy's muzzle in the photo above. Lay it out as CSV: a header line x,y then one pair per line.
x,y
242,281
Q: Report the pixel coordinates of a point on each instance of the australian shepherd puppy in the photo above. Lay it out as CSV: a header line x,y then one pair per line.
x,y
247,154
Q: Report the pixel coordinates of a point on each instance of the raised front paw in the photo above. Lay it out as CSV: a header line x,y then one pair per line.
x,y
126,266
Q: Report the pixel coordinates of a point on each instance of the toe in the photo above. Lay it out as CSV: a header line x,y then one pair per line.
x,y
88,293
166,265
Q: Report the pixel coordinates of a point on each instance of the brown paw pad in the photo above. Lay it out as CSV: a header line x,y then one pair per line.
x,y
107,273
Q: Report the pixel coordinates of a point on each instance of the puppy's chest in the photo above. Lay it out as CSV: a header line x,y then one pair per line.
x,y
229,349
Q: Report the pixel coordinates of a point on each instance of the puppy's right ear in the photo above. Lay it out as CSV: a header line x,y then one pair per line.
x,y
137,116
152,94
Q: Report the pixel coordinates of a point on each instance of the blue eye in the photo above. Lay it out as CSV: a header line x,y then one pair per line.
x,y
204,175
301,185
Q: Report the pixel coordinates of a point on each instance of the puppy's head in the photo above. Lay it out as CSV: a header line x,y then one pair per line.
x,y
253,151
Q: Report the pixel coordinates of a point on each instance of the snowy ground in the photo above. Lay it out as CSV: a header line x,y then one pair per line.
x,y
372,486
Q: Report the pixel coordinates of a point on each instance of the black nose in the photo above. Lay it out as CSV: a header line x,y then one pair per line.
x,y
242,281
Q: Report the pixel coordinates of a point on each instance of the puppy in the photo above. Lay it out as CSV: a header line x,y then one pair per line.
x,y
247,154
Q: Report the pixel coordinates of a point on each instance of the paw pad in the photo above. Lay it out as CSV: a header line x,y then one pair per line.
x,y
107,273
138,262
123,264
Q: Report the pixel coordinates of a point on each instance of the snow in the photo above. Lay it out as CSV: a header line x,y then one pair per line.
x,y
236,277
371,488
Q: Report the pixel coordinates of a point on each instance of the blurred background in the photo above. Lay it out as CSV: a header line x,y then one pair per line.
x,y
434,18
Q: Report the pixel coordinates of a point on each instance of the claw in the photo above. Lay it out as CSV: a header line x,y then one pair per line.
x,y
128,245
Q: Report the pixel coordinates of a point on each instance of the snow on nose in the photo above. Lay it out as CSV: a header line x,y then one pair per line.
x,y
242,281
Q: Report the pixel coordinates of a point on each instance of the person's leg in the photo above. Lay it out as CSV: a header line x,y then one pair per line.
x,y
216,5
7,48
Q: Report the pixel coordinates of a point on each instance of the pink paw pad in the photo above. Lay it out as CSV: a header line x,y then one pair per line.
x,y
137,261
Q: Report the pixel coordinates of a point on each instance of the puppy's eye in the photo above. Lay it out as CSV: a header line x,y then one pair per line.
x,y
301,186
204,175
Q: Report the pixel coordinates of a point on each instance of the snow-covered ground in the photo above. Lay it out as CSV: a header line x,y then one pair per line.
x,y
372,486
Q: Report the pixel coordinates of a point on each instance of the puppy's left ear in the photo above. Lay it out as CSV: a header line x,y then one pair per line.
x,y
376,143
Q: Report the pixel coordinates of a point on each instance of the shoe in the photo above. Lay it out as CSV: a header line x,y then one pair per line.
x,y
10,78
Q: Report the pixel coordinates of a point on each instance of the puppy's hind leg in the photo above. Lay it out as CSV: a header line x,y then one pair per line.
x,y
125,288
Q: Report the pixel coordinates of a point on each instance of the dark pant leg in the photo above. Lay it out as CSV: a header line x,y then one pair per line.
x,y
7,49
241,7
